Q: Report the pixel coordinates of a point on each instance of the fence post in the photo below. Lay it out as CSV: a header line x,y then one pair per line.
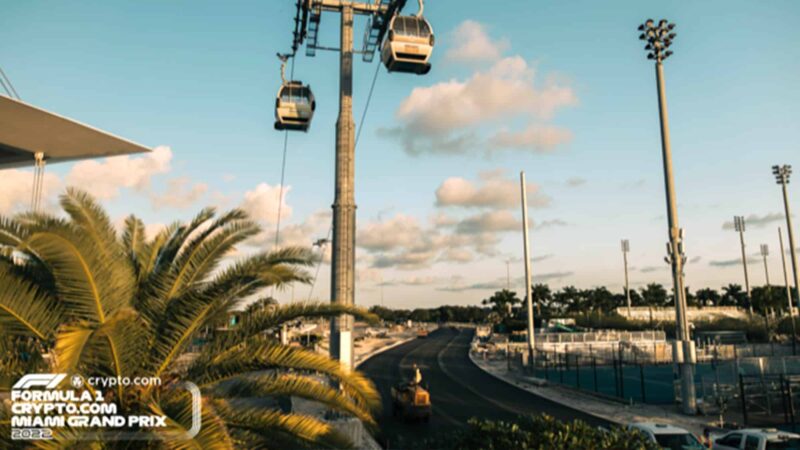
x,y
616,373
743,397
561,371
783,397
641,376
578,371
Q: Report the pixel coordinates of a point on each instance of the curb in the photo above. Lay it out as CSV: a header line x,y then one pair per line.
x,y
518,386
369,355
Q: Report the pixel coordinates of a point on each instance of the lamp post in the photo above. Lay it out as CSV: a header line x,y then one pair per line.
x,y
626,247
739,226
764,254
788,293
659,38
782,174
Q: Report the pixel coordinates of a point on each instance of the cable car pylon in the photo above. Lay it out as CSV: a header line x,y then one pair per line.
x,y
380,13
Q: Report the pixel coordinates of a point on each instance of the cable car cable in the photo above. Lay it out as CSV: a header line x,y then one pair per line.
x,y
283,174
8,81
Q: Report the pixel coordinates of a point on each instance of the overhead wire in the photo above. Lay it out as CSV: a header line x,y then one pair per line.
x,y
12,92
355,145
283,174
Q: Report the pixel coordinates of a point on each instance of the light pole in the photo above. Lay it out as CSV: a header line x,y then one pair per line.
x,y
788,293
659,38
782,174
626,247
526,251
764,254
738,224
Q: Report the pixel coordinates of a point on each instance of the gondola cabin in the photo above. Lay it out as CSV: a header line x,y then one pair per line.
x,y
408,45
294,107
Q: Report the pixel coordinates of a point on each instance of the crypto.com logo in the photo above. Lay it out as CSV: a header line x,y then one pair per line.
x,y
46,380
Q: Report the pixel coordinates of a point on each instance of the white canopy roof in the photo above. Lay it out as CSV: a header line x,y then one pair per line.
x,y
26,130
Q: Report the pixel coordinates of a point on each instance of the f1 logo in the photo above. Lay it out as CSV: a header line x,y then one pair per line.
x,y
47,380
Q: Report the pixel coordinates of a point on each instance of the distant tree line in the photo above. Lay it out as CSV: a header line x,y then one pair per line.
x,y
505,304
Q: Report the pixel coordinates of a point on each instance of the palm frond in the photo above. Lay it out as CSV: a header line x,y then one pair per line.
x,y
91,219
205,252
263,354
116,348
265,421
269,318
290,384
24,309
92,282
134,240
178,408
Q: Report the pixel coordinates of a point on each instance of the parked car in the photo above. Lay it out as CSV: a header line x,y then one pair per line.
x,y
757,439
668,436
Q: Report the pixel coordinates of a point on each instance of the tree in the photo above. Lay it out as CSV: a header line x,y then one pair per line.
x,y
569,300
539,432
733,295
707,297
104,304
654,294
543,298
601,299
502,302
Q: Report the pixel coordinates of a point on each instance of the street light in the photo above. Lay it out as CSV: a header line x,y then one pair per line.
x,y
626,247
764,254
782,174
659,38
739,226
788,293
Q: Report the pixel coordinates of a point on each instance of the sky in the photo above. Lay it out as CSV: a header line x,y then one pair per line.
x,y
560,90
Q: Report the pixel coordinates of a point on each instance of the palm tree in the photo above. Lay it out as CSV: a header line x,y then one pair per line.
x,y
104,304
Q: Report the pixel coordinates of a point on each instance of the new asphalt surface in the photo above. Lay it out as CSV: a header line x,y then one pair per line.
x,y
459,390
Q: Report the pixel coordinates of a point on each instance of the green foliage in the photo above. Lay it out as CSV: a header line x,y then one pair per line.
x,y
538,432
102,303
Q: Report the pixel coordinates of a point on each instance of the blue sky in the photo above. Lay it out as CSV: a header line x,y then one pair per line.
x,y
200,78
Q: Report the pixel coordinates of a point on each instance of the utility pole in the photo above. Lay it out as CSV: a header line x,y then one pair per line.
x,y
508,275
526,251
659,38
764,254
782,174
788,293
738,223
626,247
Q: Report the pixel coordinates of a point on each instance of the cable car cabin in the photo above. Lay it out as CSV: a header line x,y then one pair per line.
x,y
408,45
294,107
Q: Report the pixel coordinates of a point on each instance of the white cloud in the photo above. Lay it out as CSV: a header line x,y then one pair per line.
x,y
262,203
399,231
104,178
446,117
490,221
473,44
16,187
180,193
494,191
537,138
754,220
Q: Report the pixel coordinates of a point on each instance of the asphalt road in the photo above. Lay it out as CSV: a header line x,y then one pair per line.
x,y
459,390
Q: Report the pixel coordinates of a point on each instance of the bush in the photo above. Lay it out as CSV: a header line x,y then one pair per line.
x,y
537,432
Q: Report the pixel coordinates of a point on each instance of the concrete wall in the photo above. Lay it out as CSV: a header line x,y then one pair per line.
x,y
692,313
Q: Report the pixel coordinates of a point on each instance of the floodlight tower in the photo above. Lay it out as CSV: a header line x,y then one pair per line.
x,y
626,247
307,22
659,38
764,254
739,226
788,293
782,174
